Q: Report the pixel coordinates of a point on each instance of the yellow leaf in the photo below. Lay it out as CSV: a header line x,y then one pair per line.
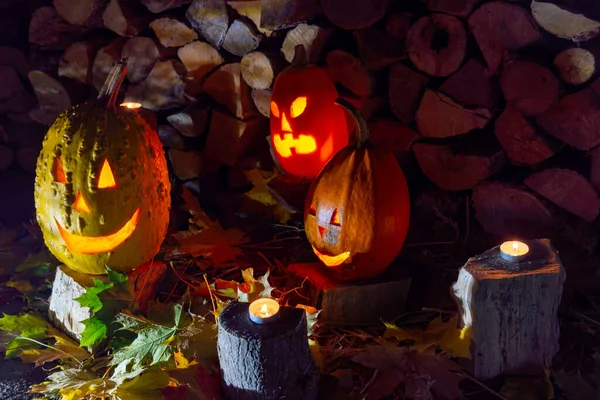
x,y
182,362
261,193
22,285
254,288
192,204
315,350
453,340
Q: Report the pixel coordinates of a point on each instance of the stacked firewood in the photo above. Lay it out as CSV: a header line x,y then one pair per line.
x,y
497,98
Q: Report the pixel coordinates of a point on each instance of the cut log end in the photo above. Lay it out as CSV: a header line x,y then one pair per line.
x,y
530,88
210,19
81,12
471,86
354,14
405,89
241,38
162,89
158,6
228,88
459,8
76,62
312,37
260,69
105,59
279,14
347,70
49,31
262,101
125,18
576,65
564,23
53,98
172,32
378,49
141,54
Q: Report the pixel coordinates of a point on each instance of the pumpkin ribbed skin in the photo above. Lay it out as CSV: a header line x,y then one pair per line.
x,y
83,138
366,188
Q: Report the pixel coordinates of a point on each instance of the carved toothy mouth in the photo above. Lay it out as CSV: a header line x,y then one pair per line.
x,y
98,244
302,144
332,261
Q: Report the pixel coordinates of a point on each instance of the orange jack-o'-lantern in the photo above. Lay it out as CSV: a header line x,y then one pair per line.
x,y
307,128
357,210
102,191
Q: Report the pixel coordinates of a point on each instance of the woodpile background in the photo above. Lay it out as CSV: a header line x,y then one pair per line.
x,y
492,107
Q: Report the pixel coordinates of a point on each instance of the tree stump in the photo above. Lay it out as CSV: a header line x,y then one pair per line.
x,y
511,310
265,362
576,65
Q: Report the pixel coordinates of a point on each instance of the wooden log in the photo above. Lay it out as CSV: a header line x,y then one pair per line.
x,y
105,59
528,87
193,121
172,32
230,139
11,83
210,19
259,69
451,171
162,89
567,189
564,22
7,157
312,37
53,98
349,71
523,143
354,14
171,138
471,86
141,53
186,164
405,90
576,65
575,119
81,12
77,60
262,101
253,11
241,38
364,304
437,44
595,167
511,310
507,210
459,8
278,14
398,25
199,59
15,58
266,372
378,49
392,135
125,18
48,30
500,28
439,116
158,6
27,159
228,88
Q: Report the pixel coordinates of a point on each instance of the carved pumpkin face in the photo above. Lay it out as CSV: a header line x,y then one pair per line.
x,y
307,128
357,210
102,192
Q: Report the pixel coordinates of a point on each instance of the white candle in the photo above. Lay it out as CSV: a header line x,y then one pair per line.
x,y
514,251
263,311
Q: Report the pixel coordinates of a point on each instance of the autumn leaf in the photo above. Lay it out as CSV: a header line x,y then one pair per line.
x,y
260,193
21,328
312,316
214,243
253,288
198,383
199,339
63,349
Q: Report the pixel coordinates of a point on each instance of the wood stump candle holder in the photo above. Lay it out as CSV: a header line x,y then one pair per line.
x,y
511,309
266,362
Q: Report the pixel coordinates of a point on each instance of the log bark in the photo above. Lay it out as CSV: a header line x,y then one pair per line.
x,y
575,119
158,6
354,14
349,71
523,143
508,210
228,88
105,59
278,14
451,171
511,310
266,373
564,23
262,101
576,65
162,89
241,38
378,49
53,98
398,25
141,53
125,18
210,19
51,32
567,189
260,69
77,60
392,135
193,121
367,304
595,167
199,59
528,87
312,37
81,12
439,116
186,164
500,28
405,90
172,32
437,44
459,8
471,86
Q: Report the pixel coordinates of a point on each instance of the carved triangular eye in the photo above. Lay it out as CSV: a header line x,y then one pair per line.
x,y
107,179
335,218
313,208
58,172
298,107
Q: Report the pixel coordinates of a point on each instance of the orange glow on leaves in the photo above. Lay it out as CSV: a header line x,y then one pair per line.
x,y
81,205
303,144
107,179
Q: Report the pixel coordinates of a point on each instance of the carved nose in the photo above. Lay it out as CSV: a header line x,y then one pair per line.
x,y
322,231
285,125
81,205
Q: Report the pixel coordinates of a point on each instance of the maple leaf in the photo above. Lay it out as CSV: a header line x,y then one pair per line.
x,y
260,193
197,382
312,315
215,243
21,328
199,338
64,349
254,288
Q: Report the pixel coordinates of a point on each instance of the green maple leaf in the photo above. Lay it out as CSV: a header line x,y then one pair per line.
x,y
95,332
150,347
90,297
22,327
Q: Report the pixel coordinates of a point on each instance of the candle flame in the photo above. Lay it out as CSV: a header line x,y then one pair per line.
x,y
264,311
131,105
515,246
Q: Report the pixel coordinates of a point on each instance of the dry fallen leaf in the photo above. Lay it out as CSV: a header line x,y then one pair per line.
x,y
214,243
261,194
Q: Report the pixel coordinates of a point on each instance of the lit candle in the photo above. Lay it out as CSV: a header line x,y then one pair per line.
x,y
263,311
132,105
514,251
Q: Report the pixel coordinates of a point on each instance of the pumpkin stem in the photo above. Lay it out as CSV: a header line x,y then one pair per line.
x,y
363,137
300,57
110,90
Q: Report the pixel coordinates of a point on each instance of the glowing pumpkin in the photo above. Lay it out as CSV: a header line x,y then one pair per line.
x,y
357,210
307,128
102,191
